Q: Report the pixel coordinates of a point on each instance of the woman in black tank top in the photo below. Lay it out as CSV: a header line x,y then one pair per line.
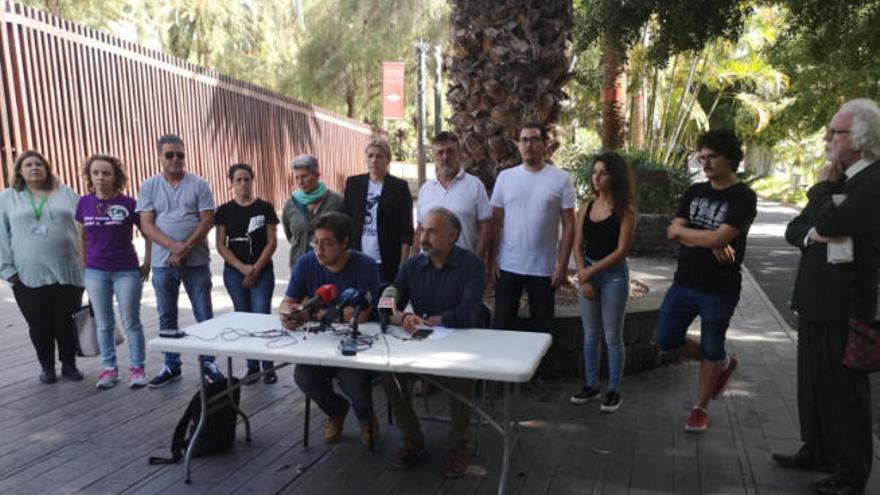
x,y
603,236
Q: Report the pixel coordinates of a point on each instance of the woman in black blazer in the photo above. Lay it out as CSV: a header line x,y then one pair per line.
x,y
380,206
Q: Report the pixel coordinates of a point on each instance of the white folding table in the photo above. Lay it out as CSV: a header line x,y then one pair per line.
x,y
504,356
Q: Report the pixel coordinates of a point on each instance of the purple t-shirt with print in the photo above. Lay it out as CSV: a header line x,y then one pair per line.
x,y
108,225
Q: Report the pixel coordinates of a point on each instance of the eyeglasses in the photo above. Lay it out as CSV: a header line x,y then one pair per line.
x,y
323,243
706,158
170,155
832,131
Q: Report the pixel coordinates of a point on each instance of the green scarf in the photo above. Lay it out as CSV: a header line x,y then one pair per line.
x,y
317,194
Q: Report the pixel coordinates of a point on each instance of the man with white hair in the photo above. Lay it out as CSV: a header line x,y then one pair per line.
x,y
310,199
839,236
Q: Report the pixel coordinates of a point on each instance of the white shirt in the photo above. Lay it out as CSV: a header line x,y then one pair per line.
x,y
370,237
533,203
466,197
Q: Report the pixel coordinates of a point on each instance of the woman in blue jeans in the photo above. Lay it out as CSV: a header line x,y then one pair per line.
x,y
108,218
246,239
603,236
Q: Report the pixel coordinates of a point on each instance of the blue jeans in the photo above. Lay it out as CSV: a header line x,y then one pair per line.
x,y
316,382
197,283
256,299
604,315
682,305
101,285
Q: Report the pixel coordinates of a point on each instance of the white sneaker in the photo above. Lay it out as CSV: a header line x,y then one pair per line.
x,y
107,378
138,378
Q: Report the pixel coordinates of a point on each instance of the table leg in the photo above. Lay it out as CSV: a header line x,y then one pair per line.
x,y
247,421
203,399
308,411
506,433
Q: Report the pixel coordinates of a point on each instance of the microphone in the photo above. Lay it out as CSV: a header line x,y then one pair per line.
x,y
387,304
324,294
345,299
361,303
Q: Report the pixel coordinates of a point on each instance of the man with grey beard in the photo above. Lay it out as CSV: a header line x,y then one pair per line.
x,y
458,191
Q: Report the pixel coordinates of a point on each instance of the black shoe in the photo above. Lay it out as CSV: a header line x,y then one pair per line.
x,y
48,376
270,377
835,485
71,373
586,394
252,376
611,403
802,461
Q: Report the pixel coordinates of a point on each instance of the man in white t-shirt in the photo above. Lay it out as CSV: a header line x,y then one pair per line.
x,y
528,203
458,191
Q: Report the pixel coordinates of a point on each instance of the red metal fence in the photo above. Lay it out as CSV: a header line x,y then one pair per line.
x,y
70,91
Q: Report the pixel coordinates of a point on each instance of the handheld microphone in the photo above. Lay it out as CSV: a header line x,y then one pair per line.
x,y
350,343
387,304
324,294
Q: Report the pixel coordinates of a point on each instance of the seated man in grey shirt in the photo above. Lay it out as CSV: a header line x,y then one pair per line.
x,y
177,212
445,285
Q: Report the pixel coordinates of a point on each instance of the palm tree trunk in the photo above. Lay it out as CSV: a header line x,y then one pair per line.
x,y
613,98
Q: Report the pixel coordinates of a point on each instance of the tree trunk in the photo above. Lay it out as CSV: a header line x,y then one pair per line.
x,y
637,117
613,99
508,63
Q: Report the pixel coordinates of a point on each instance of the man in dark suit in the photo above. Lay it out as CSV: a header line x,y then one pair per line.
x,y
839,235
380,207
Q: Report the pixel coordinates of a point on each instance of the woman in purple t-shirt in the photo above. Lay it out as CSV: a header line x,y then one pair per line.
x,y
108,218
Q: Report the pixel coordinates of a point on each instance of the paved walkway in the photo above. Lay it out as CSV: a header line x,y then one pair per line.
x,y
70,438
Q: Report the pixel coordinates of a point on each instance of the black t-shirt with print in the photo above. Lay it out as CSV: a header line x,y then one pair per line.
x,y
246,228
706,208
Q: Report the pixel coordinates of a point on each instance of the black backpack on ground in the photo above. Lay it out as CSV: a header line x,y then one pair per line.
x,y
219,431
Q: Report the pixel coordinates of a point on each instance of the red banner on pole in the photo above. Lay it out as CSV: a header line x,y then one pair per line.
x,y
392,90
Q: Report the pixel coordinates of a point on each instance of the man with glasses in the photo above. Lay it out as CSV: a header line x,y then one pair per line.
x,y
332,261
177,212
838,233
462,193
711,226
528,203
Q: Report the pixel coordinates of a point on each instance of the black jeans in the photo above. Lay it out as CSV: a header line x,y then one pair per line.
x,y
508,291
48,311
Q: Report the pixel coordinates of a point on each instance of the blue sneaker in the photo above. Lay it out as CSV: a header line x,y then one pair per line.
x,y
213,372
165,376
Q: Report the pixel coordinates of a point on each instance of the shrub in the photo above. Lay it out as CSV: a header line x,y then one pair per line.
x,y
658,187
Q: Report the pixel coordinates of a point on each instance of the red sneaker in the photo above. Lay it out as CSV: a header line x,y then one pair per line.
x,y
698,420
725,376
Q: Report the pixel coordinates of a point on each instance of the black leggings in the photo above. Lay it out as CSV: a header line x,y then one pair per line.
x,y
47,310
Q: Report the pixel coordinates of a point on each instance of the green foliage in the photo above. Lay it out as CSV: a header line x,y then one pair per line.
x,y
779,189
677,25
658,187
831,50
346,42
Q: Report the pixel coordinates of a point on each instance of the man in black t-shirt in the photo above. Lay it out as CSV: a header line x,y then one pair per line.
x,y
711,225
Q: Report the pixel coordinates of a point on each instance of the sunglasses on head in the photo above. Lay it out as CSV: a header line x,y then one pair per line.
x,y
170,155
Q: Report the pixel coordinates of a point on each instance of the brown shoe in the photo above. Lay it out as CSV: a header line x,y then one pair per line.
x,y
333,427
456,463
408,454
366,425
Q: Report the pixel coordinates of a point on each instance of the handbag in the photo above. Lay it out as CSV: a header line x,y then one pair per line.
x,y
87,332
862,352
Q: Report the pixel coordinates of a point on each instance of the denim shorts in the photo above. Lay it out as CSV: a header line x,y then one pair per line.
x,y
682,305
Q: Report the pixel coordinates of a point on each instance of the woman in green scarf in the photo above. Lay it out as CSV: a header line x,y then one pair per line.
x,y
311,199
